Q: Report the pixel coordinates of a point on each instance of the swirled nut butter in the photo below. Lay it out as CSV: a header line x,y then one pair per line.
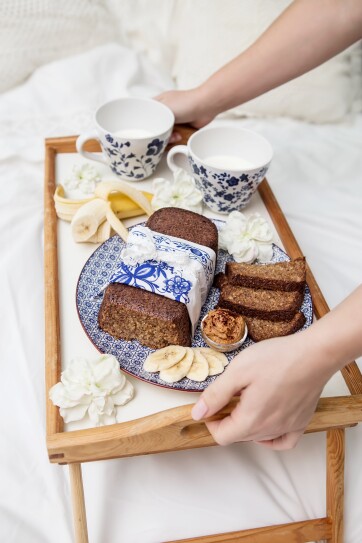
x,y
223,326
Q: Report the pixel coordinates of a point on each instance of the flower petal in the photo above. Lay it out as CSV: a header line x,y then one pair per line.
x,y
71,414
265,252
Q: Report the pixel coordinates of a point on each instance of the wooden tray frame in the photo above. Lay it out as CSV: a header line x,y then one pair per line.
x,y
174,429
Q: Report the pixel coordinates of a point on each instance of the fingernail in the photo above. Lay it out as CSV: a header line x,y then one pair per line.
x,y
199,410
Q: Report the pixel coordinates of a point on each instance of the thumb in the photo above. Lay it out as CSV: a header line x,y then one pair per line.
x,y
218,394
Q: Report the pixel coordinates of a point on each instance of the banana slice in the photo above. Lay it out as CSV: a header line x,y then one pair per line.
x,y
180,370
88,218
165,358
217,354
215,360
199,370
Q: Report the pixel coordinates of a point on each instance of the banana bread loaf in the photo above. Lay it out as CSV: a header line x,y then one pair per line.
x,y
156,321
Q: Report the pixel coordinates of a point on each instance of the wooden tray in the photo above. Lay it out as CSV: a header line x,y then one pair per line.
x,y
173,429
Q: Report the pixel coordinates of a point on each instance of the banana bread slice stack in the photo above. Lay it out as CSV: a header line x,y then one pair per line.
x,y
268,296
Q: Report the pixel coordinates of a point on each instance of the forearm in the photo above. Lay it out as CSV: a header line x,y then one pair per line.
x,y
307,34
337,337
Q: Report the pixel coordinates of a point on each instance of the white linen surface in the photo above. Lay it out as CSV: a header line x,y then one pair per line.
x,y
316,176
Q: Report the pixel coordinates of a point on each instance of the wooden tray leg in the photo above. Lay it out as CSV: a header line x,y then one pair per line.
x,y
335,482
78,504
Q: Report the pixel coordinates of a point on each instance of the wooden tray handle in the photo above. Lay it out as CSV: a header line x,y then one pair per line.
x,y
174,429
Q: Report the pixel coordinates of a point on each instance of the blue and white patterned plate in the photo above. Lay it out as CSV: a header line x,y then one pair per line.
x,y
131,354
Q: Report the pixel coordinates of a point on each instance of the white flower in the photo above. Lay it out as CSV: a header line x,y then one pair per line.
x,y
95,387
247,238
83,178
181,192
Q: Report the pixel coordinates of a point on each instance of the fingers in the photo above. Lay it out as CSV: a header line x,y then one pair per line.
x,y
218,394
282,443
225,431
175,137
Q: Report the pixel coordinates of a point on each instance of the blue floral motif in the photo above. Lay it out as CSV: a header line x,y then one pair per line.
x,y
195,169
232,181
129,162
179,287
141,276
155,147
224,192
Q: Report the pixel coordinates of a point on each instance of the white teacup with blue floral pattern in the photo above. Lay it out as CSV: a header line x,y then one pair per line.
x,y
242,158
133,133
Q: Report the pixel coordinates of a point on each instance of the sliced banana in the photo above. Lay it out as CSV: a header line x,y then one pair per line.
x,y
216,364
217,354
180,370
165,358
199,370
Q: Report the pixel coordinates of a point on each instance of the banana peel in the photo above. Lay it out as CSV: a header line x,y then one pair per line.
x,y
123,202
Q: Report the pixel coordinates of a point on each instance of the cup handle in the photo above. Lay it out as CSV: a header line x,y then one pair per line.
x,y
178,149
82,140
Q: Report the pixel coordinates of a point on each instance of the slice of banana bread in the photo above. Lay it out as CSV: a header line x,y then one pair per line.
x,y
274,305
260,329
156,321
286,276
131,313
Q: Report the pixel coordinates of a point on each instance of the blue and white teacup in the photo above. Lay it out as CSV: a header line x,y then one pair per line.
x,y
133,133
227,163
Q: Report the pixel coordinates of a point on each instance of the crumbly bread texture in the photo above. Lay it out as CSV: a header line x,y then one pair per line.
x,y
155,321
274,305
260,329
285,276
132,313
184,224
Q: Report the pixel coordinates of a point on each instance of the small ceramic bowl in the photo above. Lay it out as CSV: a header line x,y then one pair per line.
x,y
223,347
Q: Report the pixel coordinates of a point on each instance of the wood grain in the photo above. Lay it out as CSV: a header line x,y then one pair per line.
x,y
294,532
51,294
174,430
78,504
335,483
351,372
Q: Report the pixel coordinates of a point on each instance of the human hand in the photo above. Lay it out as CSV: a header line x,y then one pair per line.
x,y
188,107
279,381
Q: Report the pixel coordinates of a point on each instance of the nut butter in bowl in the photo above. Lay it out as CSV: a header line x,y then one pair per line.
x,y
223,330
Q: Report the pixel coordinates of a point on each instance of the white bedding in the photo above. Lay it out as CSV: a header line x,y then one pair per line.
x,y
316,175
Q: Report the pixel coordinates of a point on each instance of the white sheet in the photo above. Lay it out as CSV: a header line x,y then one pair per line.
x,y
316,176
